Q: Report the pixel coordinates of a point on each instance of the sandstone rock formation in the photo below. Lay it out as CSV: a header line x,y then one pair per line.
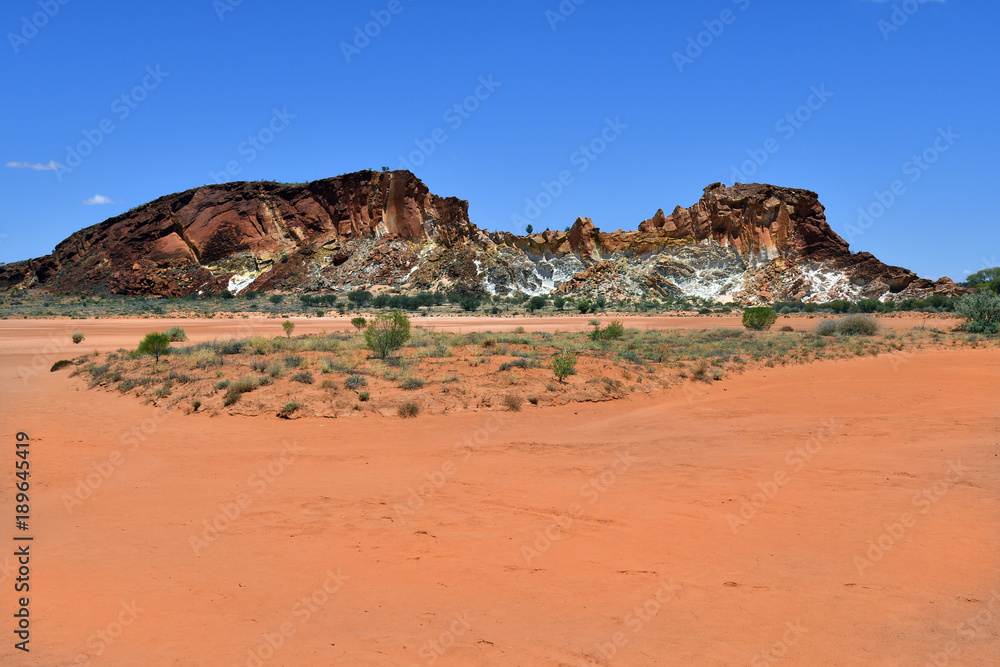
x,y
750,243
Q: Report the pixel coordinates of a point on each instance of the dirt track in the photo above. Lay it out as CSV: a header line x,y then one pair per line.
x,y
584,534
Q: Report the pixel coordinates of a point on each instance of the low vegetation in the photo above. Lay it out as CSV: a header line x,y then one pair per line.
x,y
395,370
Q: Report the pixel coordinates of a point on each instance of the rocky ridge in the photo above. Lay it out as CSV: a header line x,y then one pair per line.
x,y
749,243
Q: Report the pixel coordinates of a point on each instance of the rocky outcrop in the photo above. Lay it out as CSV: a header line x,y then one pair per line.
x,y
751,243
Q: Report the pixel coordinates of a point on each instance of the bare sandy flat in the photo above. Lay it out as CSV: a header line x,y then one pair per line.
x,y
839,513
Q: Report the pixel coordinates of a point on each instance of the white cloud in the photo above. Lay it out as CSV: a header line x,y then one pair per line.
x,y
51,166
99,199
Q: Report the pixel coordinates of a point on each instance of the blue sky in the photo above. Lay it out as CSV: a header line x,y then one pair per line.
x,y
887,107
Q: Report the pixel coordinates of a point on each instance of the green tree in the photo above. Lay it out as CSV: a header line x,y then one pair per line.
x,y
359,323
564,365
387,333
759,319
986,280
289,327
529,229
535,303
982,309
559,302
156,344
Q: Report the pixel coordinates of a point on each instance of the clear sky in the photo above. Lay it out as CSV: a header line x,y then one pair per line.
x,y
889,107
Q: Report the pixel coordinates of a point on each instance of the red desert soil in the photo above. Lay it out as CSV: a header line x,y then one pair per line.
x,y
577,535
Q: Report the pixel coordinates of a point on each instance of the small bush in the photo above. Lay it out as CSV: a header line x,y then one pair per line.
x,y
359,323
78,337
613,331
195,404
408,409
222,384
176,334
982,310
700,372
289,327
292,361
517,363
857,325
787,329
759,319
533,400
62,363
827,328
363,396
564,365
409,384
305,377
355,382
155,344
387,333
289,409
513,402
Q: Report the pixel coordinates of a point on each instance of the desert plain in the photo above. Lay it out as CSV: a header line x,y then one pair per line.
x,y
840,512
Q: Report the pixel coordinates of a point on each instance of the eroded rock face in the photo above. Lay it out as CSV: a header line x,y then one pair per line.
x,y
751,243
196,240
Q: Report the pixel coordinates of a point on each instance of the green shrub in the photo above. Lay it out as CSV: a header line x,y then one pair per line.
x,y
176,334
363,396
305,377
564,365
359,323
222,384
517,363
982,310
613,331
387,333
409,384
289,327
289,409
827,328
759,319
242,386
355,382
293,361
62,363
857,325
155,344
408,409
78,337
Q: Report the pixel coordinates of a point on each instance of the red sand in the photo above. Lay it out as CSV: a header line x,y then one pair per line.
x,y
578,535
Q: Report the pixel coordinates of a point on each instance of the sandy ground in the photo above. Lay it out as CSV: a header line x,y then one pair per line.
x,y
841,513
